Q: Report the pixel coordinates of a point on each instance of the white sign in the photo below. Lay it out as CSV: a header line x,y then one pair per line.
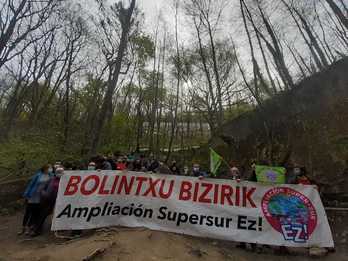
x,y
286,215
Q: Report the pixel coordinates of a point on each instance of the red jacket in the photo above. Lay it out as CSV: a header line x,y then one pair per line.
x,y
121,166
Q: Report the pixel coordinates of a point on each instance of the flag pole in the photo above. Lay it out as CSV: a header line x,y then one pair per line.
x,y
224,161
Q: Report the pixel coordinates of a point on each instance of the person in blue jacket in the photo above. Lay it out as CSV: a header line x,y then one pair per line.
x,y
32,197
197,172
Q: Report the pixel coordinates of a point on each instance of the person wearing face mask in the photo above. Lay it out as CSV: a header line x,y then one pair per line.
x,y
48,200
121,164
196,172
56,165
91,166
50,171
234,173
186,171
32,197
302,177
292,174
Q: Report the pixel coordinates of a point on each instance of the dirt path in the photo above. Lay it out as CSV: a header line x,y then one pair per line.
x,y
130,244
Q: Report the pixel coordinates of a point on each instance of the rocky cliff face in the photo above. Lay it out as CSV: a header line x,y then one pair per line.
x,y
307,125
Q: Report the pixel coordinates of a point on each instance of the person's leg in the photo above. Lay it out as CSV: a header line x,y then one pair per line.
x,y
35,214
43,212
26,218
27,214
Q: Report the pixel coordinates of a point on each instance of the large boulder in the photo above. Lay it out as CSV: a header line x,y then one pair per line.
x,y
307,125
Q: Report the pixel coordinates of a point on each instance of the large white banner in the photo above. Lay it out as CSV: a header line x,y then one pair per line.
x,y
286,215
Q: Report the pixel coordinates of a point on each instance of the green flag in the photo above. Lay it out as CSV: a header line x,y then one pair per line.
x,y
215,161
267,174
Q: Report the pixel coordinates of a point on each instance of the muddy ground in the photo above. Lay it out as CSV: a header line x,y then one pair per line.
x,y
142,245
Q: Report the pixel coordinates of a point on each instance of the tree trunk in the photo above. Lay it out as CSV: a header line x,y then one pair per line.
x,y
174,122
67,98
256,68
276,51
206,71
154,103
113,79
217,75
312,38
338,12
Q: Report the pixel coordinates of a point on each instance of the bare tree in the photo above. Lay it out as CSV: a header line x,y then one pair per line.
x,y
75,34
177,62
18,20
257,76
337,11
124,15
274,47
310,39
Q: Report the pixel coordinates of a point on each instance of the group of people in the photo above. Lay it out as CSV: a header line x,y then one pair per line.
x,y
41,192
40,197
143,164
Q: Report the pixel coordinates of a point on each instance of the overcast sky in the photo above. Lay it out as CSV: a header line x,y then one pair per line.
x,y
151,9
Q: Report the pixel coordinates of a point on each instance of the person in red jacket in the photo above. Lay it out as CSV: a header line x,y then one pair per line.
x,y
121,165
301,177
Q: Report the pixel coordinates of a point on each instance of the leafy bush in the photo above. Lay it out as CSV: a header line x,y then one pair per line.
x,y
22,156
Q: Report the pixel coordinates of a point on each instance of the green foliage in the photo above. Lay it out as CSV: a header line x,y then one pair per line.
x,y
23,156
144,47
120,135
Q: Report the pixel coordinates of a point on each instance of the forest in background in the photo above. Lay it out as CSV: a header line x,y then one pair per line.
x,y
75,82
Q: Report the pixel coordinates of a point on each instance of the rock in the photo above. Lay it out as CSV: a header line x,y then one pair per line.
x,y
94,254
317,252
197,252
301,119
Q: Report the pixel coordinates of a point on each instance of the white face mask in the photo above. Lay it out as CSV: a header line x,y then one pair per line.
x,y
59,175
195,169
91,168
297,171
50,170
